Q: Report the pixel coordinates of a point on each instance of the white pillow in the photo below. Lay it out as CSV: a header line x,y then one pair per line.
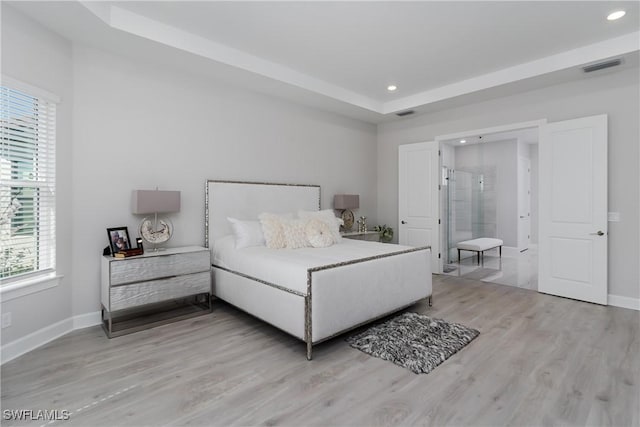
x,y
318,233
329,218
247,233
273,229
294,233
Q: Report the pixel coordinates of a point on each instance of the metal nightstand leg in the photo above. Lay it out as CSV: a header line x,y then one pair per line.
x,y
107,324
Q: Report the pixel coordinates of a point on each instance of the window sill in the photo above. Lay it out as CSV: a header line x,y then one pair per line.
x,y
29,286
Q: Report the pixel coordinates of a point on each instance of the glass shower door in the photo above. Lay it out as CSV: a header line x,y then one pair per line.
x,y
465,209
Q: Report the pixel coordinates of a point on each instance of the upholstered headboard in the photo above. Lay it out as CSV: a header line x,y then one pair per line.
x,y
247,200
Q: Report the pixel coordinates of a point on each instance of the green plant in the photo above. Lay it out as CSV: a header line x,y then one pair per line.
x,y
386,233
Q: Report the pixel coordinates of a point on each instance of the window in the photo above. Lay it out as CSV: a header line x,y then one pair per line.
x,y
27,181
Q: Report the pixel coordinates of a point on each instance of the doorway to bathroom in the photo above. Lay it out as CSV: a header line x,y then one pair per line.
x,y
489,190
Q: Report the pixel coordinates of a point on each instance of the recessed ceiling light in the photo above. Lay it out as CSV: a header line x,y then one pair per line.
x,y
462,141
392,88
616,15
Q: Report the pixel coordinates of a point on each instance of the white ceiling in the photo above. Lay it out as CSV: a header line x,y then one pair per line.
x,y
418,46
342,55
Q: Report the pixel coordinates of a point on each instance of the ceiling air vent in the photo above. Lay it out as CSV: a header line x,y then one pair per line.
x,y
602,65
405,113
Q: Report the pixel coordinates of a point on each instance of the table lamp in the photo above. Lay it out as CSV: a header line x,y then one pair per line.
x,y
346,202
155,230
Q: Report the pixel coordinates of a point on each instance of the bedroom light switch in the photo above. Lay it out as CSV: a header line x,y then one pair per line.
x,y
614,216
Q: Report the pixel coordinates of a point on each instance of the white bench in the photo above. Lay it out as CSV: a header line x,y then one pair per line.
x,y
479,246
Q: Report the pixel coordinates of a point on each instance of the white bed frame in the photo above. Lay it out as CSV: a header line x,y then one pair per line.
x,y
338,297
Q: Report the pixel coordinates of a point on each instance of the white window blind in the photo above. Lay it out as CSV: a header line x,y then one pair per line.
x,y
27,183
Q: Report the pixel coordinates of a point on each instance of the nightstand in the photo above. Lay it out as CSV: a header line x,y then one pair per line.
x,y
158,287
371,236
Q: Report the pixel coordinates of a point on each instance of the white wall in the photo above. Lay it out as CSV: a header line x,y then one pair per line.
x,y
36,56
138,126
498,162
614,93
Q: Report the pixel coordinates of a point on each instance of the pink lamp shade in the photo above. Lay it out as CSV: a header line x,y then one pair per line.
x,y
346,201
154,201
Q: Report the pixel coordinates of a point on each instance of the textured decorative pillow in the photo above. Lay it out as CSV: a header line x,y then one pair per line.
x,y
294,233
247,233
329,218
273,229
318,233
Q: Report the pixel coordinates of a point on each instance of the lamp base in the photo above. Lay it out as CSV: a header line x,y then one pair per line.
x,y
156,231
347,219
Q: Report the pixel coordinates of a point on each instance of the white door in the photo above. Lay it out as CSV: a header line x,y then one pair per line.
x,y
418,199
524,203
573,209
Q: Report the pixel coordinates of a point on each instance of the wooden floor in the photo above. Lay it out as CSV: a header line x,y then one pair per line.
x,y
539,361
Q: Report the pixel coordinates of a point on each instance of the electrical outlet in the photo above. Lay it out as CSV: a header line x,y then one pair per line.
x,y
6,320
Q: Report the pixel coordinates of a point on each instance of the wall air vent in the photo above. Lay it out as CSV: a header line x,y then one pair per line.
x,y
602,65
405,113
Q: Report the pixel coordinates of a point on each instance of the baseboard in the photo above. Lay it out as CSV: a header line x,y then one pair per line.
x,y
624,302
86,320
49,333
35,339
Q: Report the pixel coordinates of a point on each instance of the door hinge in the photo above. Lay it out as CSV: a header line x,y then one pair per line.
x,y
439,153
439,187
439,222
439,255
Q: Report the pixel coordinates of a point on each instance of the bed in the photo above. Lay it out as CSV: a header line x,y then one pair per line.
x,y
313,294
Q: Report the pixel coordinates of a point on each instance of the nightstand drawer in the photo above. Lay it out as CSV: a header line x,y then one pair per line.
x,y
156,267
137,294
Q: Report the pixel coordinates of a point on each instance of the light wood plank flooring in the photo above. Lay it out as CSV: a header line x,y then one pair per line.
x,y
539,361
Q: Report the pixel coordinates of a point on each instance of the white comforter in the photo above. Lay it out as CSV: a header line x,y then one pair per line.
x,y
288,267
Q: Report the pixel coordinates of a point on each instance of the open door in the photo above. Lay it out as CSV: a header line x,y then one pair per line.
x,y
573,209
418,198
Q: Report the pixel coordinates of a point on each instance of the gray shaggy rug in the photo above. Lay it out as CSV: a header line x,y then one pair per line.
x,y
414,341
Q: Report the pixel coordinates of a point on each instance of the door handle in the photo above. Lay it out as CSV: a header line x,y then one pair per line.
x,y
404,222
522,217
598,233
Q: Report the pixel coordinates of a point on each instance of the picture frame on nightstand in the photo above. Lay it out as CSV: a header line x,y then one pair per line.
x,y
118,239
